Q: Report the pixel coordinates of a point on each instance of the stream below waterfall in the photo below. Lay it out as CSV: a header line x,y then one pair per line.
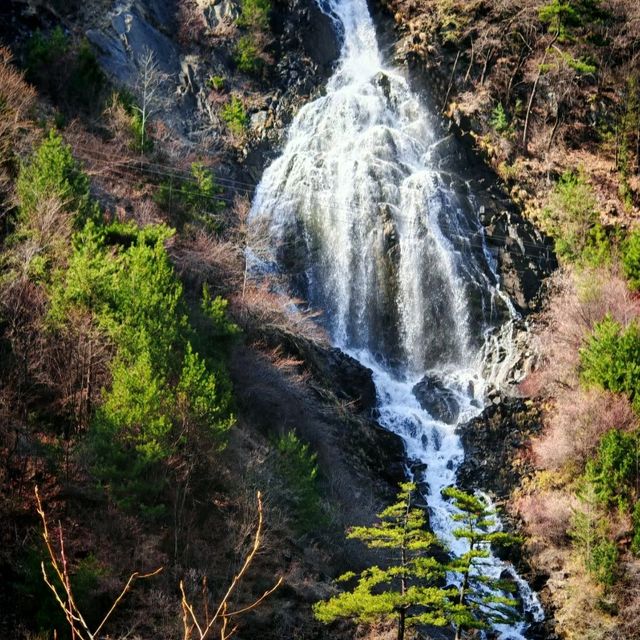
x,y
385,240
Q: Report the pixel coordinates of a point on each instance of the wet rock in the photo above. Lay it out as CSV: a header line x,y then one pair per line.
x,y
492,442
441,403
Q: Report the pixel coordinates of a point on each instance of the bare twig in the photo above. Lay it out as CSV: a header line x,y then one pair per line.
x,y
222,616
77,623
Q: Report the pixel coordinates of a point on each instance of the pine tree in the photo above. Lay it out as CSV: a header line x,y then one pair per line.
x,y
480,602
407,589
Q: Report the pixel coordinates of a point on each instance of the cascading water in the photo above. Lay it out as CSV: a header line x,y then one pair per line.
x,y
387,243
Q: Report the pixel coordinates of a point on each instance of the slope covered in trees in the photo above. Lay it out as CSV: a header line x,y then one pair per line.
x,y
149,387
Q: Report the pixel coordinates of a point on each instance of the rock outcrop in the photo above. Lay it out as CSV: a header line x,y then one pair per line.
x,y
437,400
492,443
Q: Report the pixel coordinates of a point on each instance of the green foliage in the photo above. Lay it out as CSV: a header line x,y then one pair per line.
x,y
217,82
35,601
141,142
604,562
598,248
581,65
571,214
200,395
194,200
566,17
247,55
53,171
477,608
215,309
254,14
635,542
628,137
614,470
407,589
163,394
234,114
499,119
44,50
590,534
299,468
71,75
611,359
630,251
87,79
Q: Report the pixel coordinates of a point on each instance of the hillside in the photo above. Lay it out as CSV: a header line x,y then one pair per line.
x,y
183,328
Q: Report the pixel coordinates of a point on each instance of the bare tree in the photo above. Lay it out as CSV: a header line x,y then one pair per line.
x,y
222,623
148,89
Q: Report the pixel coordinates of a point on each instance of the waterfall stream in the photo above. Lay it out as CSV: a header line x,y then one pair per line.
x,y
384,238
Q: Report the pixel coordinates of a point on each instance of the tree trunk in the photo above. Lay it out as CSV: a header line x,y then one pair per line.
x,y
525,133
401,624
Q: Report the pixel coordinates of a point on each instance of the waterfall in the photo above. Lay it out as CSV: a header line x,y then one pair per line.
x,y
377,232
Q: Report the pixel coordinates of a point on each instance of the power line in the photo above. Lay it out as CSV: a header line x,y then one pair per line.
x,y
185,178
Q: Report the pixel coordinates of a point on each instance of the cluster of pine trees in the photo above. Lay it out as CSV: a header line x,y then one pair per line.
x,y
416,586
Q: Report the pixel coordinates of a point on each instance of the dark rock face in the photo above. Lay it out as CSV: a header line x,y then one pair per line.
x,y
492,442
436,399
301,25
341,373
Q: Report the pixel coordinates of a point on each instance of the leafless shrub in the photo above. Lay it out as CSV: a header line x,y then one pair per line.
x,y
629,596
17,99
206,258
263,311
576,424
578,302
547,514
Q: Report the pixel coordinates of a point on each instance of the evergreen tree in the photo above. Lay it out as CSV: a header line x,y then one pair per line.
x,y
406,590
480,601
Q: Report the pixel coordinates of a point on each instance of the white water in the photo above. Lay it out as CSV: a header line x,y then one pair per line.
x,y
392,251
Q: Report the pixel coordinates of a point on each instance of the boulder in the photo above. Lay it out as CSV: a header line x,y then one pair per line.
x,y
436,399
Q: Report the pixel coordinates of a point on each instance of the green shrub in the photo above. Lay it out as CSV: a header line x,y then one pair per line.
x,y
217,82
141,141
195,200
44,50
234,114
611,359
37,604
589,532
630,251
598,248
298,467
604,563
613,472
570,214
254,14
163,395
53,171
499,119
87,79
247,55
71,75
635,542
566,17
